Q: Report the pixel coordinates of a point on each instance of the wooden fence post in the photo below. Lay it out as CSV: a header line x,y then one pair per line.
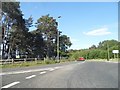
x,y
12,60
24,59
36,60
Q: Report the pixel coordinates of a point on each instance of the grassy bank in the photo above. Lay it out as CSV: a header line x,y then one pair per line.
x,y
34,63
112,60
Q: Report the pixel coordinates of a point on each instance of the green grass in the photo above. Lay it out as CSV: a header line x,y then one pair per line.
x,y
24,64
115,60
112,60
33,63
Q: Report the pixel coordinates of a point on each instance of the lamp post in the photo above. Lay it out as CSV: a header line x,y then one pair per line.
x,y
108,51
58,44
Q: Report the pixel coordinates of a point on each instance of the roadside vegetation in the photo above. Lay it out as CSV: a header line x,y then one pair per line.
x,y
98,52
34,63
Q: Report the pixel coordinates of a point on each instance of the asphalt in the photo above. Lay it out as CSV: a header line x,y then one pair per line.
x,y
67,75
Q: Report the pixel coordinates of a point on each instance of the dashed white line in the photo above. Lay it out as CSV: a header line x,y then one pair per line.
x,y
30,76
43,72
51,69
9,85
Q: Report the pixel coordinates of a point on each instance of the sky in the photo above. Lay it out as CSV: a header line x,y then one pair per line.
x,y
86,23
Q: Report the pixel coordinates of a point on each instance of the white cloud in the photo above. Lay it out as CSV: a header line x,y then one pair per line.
x,y
98,32
79,46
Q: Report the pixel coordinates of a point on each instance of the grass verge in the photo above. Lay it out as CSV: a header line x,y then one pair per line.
x,y
33,63
111,60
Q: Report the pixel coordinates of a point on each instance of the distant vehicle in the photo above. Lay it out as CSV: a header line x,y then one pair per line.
x,y
81,59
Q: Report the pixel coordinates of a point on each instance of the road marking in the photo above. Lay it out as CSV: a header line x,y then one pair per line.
x,y
9,85
2,74
51,69
57,67
43,72
26,71
22,71
81,62
110,62
30,76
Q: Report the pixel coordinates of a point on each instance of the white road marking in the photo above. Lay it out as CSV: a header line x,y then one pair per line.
x,y
81,62
2,74
51,69
110,62
9,85
30,76
43,72
26,71
57,67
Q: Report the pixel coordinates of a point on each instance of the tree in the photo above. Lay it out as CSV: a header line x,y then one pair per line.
x,y
103,54
48,27
64,44
35,45
16,26
93,47
11,16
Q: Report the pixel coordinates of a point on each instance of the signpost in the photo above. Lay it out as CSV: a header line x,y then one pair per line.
x,y
115,52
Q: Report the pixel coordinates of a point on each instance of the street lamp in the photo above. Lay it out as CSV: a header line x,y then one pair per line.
x,y
58,43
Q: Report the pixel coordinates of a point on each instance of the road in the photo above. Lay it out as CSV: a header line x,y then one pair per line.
x,y
68,75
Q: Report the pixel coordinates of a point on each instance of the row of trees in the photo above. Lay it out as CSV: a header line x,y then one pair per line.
x,y
97,52
17,39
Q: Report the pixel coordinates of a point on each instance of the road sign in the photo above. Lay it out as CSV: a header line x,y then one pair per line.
x,y
115,51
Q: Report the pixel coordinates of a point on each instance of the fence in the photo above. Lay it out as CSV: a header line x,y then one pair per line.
x,y
11,61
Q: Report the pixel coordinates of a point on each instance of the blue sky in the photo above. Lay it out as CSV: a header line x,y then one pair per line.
x,y
86,23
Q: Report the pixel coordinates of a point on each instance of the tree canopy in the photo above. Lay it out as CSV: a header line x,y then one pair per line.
x,y
38,43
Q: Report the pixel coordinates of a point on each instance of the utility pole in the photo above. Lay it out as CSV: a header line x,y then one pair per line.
x,y
58,44
108,52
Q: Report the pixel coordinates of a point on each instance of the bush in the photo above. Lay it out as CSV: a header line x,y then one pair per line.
x,y
50,61
47,61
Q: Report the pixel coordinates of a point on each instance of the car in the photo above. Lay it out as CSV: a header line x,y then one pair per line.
x,y
81,59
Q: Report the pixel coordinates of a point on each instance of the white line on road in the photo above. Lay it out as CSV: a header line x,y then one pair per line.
x,y
57,67
51,69
110,62
9,85
81,62
30,76
26,71
43,72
